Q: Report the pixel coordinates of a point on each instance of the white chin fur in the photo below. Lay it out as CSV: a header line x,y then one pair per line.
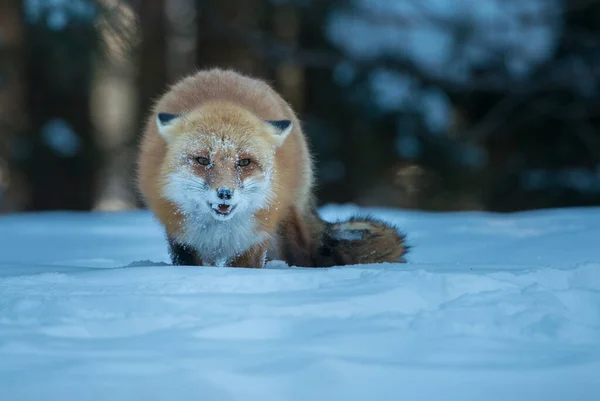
x,y
229,235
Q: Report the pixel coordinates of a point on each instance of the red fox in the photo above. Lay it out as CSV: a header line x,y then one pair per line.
x,y
225,167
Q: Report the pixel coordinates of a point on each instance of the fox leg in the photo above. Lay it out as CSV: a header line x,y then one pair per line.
x,y
182,255
253,257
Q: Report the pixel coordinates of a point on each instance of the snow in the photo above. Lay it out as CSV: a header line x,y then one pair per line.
x,y
60,137
489,307
392,91
429,31
57,14
447,40
580,179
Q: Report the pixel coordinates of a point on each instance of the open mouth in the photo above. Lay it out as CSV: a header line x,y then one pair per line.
x,y
222,209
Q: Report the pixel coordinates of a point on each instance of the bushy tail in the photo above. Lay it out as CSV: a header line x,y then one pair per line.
x,y
359,240
309,241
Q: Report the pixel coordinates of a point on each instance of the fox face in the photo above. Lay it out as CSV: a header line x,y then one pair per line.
x,y
220,160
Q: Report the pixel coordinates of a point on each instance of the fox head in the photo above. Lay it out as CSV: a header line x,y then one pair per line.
x,y
219,159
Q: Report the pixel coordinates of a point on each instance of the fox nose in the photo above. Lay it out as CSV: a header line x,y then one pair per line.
x,y
224,193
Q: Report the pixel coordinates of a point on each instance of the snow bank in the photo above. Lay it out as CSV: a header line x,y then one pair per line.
x,y
490,307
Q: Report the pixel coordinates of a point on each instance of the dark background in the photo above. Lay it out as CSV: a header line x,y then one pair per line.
x,y
423,104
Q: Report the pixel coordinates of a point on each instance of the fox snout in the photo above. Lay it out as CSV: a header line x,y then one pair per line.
x,y
222,203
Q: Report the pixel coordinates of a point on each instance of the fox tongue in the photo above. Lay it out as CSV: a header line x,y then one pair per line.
x,y
221,208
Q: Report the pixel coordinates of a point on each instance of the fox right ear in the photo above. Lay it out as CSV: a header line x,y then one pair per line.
x,y
280,129
164,121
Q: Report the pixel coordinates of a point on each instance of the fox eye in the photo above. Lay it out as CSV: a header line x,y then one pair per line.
x,y
244,162
203,161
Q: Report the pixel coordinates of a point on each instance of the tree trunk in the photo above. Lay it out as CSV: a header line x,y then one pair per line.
x,y
152,55
227,32
115,108
59,155
13,121
290,76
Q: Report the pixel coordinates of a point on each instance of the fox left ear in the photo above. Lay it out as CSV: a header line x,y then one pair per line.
x,y
280,129
164,121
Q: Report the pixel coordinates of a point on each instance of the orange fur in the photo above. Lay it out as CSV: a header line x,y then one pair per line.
x,y
231,107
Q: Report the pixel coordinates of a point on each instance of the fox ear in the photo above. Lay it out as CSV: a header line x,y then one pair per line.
x,y
280,129
164,121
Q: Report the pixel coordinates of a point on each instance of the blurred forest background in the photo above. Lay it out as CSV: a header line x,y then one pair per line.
x,y
426,104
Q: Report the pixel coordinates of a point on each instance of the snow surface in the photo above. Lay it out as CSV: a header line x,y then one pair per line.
x,y
489,307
